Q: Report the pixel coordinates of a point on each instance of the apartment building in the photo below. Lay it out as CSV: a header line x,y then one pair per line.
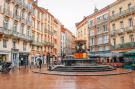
x,y
15,31
67,39
45,33
82,31
63,41
27,31
99,32
122,24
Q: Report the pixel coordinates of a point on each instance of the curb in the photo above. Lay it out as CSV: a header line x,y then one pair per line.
x,y
68,74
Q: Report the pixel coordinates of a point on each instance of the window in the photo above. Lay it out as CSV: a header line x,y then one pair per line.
x,y
90,22
105,39
84,31
98,19
131,37
15,27
113,27
14,44
120,9
22,29
28,32
23,17
92,41
98,30
122,40
113,12
4,43
91,33
16,11
29,18
105,16
129,6
5,23
24,46
121,24
105,28
114,41
99,40
130,22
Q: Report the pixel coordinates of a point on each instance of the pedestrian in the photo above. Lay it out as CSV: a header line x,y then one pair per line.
x,y
40,62
48,60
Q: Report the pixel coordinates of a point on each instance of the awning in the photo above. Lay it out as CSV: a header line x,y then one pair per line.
x,y
114,54
109,54
4,53
132,52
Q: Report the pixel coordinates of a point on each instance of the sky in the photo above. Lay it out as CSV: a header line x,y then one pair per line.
x,y
69,12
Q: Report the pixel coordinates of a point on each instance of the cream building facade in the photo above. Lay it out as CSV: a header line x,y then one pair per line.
x,y
122,23
45,32
15,31
82,31
27,31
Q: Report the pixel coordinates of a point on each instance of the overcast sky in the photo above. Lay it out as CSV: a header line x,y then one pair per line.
x,y
70,12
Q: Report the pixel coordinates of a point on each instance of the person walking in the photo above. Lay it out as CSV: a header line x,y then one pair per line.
x,y
40,62
48,60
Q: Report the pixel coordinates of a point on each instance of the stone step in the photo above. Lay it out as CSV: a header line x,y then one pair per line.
x,y
83,68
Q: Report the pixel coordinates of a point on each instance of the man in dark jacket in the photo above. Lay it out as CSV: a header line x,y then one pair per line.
x,y
48,60
40,62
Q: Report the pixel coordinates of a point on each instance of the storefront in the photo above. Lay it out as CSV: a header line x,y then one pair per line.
x,y
23,59
15,57
4,56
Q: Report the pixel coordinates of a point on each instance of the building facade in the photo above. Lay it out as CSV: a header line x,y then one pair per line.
x,y
15,31
122,23
82,31
27,31
99,32
67,39
45,33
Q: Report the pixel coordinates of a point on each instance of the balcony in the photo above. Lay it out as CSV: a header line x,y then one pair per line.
x,y
37,43
17,2
45,43
7,12
113,32
15,34
121,31
128,45
102,21
130,29
123,13
24,37
24,5
29,22
17,17
5,31
23,20
30,9
91,26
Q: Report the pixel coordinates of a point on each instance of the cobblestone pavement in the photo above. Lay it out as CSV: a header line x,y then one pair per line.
x,y
25,79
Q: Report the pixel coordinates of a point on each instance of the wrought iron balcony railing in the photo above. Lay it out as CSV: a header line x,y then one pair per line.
x,y
130,29
123,13
124,46
5,31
